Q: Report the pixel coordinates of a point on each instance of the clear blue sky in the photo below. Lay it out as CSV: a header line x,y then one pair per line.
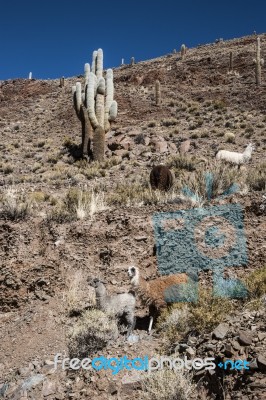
x,y
54,38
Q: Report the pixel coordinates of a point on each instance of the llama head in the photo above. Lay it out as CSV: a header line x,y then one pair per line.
x,y
97,283
133,273
250,147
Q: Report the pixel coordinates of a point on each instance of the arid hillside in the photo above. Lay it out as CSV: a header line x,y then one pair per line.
x,y
65,221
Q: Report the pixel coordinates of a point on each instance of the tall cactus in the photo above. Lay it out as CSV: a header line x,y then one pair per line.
x,y
231,61
82,114
157,92
95,107
258,63
183,51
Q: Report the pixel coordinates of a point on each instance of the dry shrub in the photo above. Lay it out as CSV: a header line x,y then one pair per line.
x,y
78,295
208,184
14,203
229,137
78,204
202,315
167,385
174,321
256,178
256,285
208,311
182,162
92,332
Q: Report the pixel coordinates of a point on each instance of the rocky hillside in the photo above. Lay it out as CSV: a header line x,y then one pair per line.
x,y
64,221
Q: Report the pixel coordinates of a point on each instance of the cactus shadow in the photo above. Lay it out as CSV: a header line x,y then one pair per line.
x,y
75,151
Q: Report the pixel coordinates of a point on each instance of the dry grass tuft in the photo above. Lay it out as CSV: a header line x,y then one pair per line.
x,y
256,285
78,295
14,203
93,331
208,184
167,385
256,178
229,137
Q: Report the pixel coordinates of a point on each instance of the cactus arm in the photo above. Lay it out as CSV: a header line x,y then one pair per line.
x,y
90,90
99,64
157,92
109,98
86,132
259,62
93,64
86,72
113,111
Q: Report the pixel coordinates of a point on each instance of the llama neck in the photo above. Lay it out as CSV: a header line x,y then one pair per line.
x,y
135,280
100,297
247,153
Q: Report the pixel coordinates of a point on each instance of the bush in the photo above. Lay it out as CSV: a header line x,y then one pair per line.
x,y
167,385
222,179
93,331
14,204
182,162
169,122
256,178
256,283
229,137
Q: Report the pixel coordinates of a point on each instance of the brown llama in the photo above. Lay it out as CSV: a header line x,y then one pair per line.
x,y
161,178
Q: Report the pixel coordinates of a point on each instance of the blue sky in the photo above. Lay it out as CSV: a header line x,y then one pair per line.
x,y
54,38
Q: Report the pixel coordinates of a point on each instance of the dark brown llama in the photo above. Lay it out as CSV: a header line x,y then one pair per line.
x,y
161,178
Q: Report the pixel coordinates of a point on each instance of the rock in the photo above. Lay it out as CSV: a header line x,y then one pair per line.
x,y
192,341
133,339
32,381
261,336
102,385
161,147
190,352
24,371
184,147
244,339
210,346
79,178
183,347
122,153
3,389
261,363
112,388
221,331
140,238
126,144
253,364
236,345
228,350
172,148
49,387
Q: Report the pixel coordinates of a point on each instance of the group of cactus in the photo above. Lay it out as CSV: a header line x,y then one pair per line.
x,y
95,106
259,62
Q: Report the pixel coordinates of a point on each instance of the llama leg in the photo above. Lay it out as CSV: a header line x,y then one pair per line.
x,y
131,322
150,324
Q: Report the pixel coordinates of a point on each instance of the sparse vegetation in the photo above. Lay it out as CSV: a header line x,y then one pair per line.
x,y
207,184
92,332
256,177
167,385
256,285
14,203
169,122
229,137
